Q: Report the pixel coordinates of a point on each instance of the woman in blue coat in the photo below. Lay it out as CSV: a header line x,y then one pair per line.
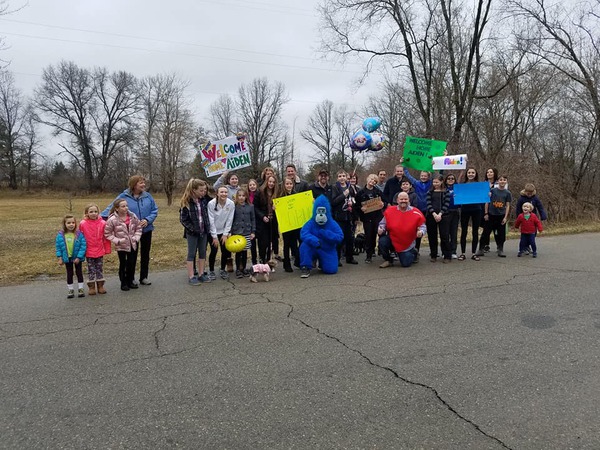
x,y
144,207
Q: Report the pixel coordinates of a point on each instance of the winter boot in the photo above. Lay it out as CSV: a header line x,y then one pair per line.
x,y
287,265
501,252
92,287
101,289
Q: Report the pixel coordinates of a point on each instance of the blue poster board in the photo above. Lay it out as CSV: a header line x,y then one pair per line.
x,y
469,193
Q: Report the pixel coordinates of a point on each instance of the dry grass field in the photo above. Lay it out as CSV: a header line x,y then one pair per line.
x,y
29,223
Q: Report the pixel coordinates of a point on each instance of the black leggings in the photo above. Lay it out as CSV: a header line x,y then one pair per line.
x,y
443,226
212,258
78,271
267,235
475,217
126,267
370,225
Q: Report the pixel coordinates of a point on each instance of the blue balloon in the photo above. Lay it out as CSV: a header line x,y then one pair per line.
x,y
361,140
371,124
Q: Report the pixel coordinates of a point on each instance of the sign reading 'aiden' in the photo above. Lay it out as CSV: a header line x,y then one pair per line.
x,y
419,153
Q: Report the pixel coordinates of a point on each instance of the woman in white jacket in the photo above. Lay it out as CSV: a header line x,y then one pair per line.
x,y
220,215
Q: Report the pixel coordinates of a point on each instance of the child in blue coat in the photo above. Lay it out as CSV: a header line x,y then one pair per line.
x,y
70,252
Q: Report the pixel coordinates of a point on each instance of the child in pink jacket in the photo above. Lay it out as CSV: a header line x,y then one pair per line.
x,y
124,230
92,227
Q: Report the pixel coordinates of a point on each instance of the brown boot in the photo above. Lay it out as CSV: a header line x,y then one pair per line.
x,y
92,287
229,264
101,289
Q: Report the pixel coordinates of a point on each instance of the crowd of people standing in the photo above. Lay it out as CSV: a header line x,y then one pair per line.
x,y
396,213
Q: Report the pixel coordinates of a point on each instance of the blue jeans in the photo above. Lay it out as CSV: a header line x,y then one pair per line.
x,y
527,240
406,258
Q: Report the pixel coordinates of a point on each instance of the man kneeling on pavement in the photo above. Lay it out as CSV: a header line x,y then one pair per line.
x,y
400,227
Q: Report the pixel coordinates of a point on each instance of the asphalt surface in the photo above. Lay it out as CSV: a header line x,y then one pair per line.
x,y
501,353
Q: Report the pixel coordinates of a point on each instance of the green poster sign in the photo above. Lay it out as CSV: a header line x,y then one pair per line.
x,y
419,153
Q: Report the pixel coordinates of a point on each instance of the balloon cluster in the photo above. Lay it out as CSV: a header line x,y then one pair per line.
x,y
368,138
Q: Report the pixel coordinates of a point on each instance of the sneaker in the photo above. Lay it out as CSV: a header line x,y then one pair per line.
x,y
80,293
454,256
194,281
223,274
519,254
204,278
146,282
534,255
486,249
71,293
385,264
368,261
305,273
351,261
480,252
433,259
501,254
246,272
239,274
212,275
133,285
124,287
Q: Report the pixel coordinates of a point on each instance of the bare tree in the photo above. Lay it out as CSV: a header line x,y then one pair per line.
x,y
223,117
118,104
12,120
94,110
175,134
567,40
30,143
151,94
65,100
437,42
260,104
320,133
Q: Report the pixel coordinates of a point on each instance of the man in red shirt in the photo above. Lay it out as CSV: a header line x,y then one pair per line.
x,y
398,229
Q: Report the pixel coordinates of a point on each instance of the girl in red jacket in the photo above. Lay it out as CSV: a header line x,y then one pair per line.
x,y
92,227
530,224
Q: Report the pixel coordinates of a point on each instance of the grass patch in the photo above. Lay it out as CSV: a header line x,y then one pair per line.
x,y
29,223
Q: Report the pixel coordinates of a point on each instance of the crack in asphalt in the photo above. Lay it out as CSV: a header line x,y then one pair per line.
x,y
398,376
160,330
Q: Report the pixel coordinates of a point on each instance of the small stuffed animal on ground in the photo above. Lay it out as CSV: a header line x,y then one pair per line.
x,y
265,269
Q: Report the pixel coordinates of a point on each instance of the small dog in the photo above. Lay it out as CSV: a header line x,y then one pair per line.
x,y
359,243
265,269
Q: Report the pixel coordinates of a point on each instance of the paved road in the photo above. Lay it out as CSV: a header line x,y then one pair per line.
x,y
503,353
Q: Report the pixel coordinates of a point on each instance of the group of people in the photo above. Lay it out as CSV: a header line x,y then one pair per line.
x,y
127,223
398,211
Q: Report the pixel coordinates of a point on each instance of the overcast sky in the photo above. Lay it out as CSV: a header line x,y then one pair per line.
x,y
215,44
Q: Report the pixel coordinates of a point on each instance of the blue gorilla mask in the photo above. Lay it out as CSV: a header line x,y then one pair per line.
x,y
321,216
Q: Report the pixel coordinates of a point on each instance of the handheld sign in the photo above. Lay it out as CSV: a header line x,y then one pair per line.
x,y
469,193
454,162
293,211
231,153
419,153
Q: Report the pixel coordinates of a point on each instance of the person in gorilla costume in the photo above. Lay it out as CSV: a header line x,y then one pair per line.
x,y
320,237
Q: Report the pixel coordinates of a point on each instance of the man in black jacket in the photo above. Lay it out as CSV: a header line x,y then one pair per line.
x,y
322,186
299,184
